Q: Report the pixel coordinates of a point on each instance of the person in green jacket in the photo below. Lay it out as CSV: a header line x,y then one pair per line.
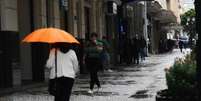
x,y
93,60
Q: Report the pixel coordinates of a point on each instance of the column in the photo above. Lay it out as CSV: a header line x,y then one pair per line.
x,y
72,17
98,18
10,70
145,26
93,16
9,16
24,29
81,24
56,13
39,13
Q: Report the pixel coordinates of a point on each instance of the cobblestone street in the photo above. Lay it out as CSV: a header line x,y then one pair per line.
x,y
125,83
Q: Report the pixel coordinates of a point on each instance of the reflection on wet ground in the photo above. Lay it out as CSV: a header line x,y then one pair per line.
x,y
101,93
141,94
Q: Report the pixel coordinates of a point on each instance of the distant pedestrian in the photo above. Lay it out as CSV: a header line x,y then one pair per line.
x,y
66,64
181,45
143,44
135,49
128,56
93,60
105,55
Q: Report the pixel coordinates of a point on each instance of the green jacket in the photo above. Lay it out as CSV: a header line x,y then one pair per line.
x,y
91,49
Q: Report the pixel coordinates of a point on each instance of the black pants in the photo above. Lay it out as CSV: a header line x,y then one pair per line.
x,y
94,65
63,88
94,80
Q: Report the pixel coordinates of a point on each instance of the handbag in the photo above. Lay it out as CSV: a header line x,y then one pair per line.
x,y
53,82
52,87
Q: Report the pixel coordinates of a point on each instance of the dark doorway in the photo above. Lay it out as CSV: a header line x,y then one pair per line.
x,y
9,53
39,57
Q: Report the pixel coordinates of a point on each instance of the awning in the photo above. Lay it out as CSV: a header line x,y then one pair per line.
x,y
173,27
165,16
118,2
154,9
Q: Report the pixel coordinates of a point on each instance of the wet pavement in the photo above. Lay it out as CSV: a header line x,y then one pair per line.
x,y
125,83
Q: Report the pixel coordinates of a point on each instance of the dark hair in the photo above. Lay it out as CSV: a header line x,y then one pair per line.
x,y
63,47
94,34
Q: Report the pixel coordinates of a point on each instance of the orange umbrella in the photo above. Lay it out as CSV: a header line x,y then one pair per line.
x,y
50,35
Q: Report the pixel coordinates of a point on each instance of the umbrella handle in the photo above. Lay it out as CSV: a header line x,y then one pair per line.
x,y
55,62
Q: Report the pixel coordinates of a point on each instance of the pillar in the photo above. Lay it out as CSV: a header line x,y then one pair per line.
x,y
99,18
72,18
9,24
9,19
93,16
81,20
24,12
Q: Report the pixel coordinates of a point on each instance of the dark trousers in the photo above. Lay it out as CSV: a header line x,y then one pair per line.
x,y
94,65
63,88
94,79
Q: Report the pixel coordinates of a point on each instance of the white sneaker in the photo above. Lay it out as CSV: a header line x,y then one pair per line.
x,y
109,70
90,92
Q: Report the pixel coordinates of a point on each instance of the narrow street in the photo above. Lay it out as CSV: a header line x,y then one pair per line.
x,y
126,83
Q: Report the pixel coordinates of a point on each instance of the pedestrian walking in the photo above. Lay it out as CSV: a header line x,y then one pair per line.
x,y
105,55
93,61
181,44
63,65
135,49
143,44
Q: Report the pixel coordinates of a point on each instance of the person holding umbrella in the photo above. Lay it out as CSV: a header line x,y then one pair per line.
x,y
67,68
62,59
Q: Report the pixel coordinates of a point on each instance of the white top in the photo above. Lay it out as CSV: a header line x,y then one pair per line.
x,y
67,64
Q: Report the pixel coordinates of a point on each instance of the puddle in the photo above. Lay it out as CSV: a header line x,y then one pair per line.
x,y
83,92
45,92
118,82
142,94
150,65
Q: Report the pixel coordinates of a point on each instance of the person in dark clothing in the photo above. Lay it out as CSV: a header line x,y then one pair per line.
x,y
93,60
181,44
128,56
142,47
135,49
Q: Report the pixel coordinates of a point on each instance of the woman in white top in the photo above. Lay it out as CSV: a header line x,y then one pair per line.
x,y
67,68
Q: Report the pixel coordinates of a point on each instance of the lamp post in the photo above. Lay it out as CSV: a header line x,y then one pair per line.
x,y
198,30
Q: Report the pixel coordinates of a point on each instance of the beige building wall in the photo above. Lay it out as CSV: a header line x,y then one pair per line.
x,y
175,8
9,17
174,5
76,17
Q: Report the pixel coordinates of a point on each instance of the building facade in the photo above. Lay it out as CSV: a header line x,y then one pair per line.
x,y
20,17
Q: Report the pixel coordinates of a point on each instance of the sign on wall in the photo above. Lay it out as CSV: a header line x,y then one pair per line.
x,y
64,4
112,7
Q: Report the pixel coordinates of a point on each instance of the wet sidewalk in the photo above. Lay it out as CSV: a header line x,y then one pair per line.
x,y
125,83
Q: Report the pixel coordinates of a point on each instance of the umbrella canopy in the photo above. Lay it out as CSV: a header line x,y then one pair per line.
x,y
50,35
